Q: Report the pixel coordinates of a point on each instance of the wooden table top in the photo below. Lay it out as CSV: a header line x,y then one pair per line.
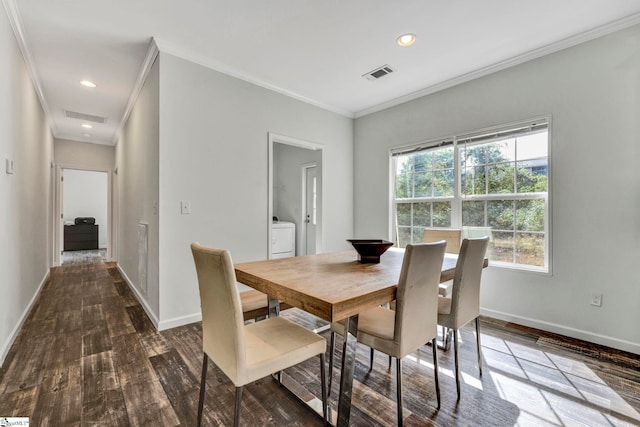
x,y
332,286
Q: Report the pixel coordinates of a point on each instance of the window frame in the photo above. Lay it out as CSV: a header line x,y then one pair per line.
x,y
459,143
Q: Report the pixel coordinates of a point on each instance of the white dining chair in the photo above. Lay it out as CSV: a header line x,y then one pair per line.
x,y
453,238
245,353
413,322
451,235
463,305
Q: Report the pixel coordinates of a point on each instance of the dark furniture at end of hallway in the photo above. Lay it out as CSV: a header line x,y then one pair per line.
x,y
80,237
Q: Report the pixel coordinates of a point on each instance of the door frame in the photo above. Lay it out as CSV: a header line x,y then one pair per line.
x,y
274,138
58,215
303,217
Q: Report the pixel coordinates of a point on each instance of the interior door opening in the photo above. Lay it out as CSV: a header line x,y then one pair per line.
x,y
295,192
84,216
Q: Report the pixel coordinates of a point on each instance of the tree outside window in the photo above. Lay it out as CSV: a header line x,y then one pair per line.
x,y
501,191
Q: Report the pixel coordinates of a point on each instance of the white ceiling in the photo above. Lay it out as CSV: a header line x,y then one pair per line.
x,y
314,50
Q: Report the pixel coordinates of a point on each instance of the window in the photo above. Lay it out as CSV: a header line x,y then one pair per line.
x,y
492,183
424,192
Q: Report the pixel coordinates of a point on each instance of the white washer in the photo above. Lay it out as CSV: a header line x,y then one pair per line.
x,y
283,239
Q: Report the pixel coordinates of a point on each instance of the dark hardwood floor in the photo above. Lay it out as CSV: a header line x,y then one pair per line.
x,y
88,355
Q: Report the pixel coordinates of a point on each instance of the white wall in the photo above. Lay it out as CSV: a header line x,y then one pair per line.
x,y
287,180
83,155
26,207
592,92
85,195
136,191
213,152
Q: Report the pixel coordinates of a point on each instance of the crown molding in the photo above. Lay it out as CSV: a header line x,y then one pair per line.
x,y
147,64
180,52
508,63
18,31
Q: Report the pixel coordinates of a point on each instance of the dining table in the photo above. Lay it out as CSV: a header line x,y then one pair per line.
x,y
333,286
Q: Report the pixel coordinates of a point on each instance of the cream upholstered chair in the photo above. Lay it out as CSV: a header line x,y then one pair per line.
x,y
452,236
463,305
414,321
245,353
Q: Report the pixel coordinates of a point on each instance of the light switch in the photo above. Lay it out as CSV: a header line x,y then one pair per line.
x,y
185,207
9,166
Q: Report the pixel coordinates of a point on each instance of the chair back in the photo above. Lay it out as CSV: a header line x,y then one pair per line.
x,y
465,294
417,295
222,322
451,235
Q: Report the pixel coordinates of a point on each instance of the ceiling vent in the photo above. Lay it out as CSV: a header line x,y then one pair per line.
x,y
379,72
84,117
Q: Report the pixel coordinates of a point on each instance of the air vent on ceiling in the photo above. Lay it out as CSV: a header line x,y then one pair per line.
x,y
85,117
379,72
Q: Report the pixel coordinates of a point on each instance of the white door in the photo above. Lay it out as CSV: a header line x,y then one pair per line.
x,y
311,209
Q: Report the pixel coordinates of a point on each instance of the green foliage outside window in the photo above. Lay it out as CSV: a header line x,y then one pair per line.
x,y
514,168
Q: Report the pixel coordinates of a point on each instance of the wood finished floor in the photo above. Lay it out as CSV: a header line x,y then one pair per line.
x,y
90,256
88,355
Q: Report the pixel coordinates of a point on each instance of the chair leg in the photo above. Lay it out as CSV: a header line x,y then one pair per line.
x,y
479,347
331,349
455,358
236,420
435,369
371,360
399,388
390,362
323,381
203,382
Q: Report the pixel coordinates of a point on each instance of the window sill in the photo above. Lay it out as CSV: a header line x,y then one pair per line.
x,y
545,271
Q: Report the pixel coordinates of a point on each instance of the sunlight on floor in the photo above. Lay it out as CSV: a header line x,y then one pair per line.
x,y
466,378
553,390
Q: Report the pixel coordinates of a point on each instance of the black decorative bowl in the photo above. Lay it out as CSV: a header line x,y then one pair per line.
x,y
369,250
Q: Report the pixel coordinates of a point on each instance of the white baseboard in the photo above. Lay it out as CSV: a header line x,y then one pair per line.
x,y
164,324
608,341
140,298
6,346
179,321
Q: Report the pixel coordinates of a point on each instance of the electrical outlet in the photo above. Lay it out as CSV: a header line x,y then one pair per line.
x,y
596,299
185,207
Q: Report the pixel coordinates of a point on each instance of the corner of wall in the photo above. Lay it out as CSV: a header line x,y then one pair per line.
x,y
145,305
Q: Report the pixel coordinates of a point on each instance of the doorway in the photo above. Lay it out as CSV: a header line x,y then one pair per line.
x,y
295,191
84,216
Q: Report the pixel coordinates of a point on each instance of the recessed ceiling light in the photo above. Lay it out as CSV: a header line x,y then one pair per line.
x,y
406,39
87,83
86,126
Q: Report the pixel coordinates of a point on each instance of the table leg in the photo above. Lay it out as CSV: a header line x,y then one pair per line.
x,y
274,306
348,366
